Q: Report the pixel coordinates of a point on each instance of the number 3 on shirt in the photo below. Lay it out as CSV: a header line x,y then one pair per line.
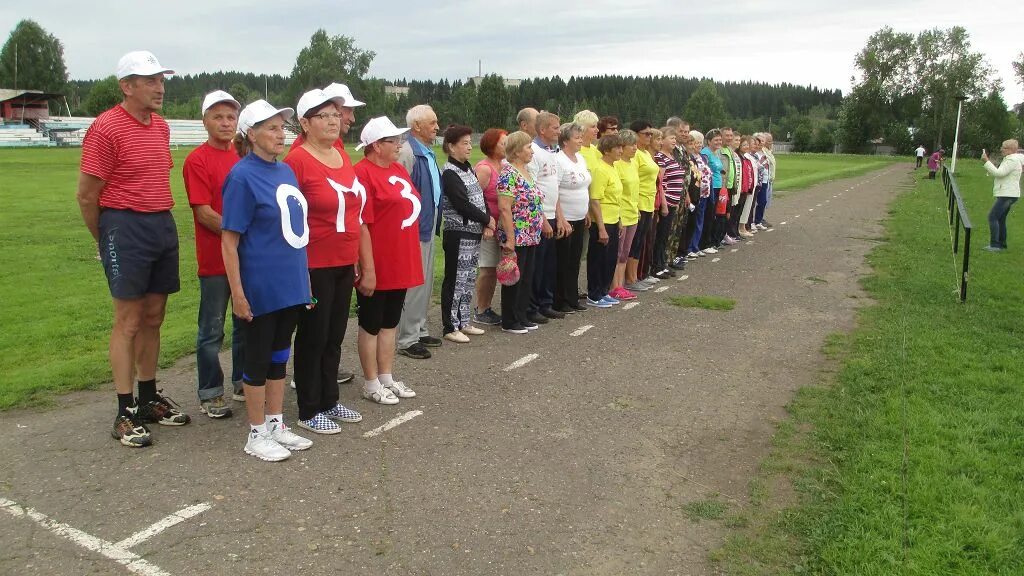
x,y
357,190
406,192
285,191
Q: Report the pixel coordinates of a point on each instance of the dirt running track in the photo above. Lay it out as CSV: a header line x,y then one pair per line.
x,y
577,462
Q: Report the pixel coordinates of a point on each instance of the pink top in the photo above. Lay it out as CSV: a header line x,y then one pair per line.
x,y
490,190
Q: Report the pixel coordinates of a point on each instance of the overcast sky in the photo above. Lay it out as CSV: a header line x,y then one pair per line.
x,y
797,41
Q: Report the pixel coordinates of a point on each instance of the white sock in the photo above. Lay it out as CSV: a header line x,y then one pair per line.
x,y
371,385
386,379
257,429
273,421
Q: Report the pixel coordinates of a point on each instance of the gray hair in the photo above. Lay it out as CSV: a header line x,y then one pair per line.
x,y
418,113
567,131
697,137
628,137
674,122
585,119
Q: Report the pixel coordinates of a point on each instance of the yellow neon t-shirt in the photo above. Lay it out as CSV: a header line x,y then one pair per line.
x,y
648,170
606,189
629,202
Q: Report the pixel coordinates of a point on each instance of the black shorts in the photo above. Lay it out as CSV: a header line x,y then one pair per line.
x,y
382,311
139,252
268,343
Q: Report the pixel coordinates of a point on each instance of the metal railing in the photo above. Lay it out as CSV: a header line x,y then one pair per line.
x,y
958,219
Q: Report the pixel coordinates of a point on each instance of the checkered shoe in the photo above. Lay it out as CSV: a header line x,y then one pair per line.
x,y
343,414
320,424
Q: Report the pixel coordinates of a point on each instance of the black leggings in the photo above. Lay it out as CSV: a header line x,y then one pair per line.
x,y
318,339
268,340
382,311
515,299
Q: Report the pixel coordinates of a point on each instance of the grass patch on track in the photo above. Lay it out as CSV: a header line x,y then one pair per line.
x,y
910,459
705,302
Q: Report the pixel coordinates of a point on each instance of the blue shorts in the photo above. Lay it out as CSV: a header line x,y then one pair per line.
x,y
139,252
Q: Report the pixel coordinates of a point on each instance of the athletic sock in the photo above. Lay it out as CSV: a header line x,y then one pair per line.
x,y
386,379
124,402
257,429
372,385
273,421
147,390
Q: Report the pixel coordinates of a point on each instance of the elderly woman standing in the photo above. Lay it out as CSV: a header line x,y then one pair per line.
x,y
263,239
673,179
574,198
603,247
492,144
629,212
695,225
520,205
466,221
1006,191
648,172
587,121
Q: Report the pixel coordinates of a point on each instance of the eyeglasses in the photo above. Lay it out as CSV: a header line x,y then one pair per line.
x,y
327,116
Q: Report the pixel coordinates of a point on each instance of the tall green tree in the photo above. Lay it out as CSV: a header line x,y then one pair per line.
x,y
103,96
493,104
705,109
1018,68
329,59
33,59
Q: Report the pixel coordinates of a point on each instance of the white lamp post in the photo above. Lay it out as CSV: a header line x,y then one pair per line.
x,y
956,135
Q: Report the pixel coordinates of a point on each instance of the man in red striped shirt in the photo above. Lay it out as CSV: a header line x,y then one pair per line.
x,y
124,193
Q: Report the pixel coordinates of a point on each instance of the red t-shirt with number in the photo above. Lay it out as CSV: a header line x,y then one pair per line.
x,y
392,217
336,200
133,159
204,172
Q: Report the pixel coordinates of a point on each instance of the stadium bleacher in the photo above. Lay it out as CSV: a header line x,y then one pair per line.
x,y
69,131
12,135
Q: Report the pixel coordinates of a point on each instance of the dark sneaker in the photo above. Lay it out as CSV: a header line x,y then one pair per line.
x,y
345,377
430,342
417,351
537,318
552,314
130,433
515,329
215,408
578,307
162,411
563,310
488,318
678,263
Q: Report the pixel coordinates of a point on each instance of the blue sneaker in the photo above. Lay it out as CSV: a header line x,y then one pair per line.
x,y
610,300
598,303
320,424
344,414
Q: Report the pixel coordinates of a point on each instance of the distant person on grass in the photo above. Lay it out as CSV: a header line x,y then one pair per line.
x,y
1006,190
418,158
264,240
204,172
124,193
934,161
919,153
492,144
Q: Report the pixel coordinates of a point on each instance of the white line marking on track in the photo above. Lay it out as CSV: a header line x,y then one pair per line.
x,y
783,223
819,205
522,362
581,330
734,250
631,305
394,422
133,562
810,209
660,290
770,230
797,216
715,259
158,527
683,277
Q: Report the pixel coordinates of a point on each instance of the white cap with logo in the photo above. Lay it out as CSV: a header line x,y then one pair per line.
x,y
337,90
216,97
377,128
139,63
314,99
259,111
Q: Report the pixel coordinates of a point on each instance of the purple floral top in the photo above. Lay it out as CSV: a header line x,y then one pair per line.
x,y
527,205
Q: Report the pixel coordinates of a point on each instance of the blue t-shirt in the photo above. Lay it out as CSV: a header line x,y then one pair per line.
x,y
263,204
715,163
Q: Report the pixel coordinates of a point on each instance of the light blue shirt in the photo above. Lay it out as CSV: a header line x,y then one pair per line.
x,y
435,174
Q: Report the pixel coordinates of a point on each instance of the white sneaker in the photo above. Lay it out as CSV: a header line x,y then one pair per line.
x,y
473,330
381,395
651,280
284,436
761,226
710,251
266,448
456,336
702,253
401,390
293,384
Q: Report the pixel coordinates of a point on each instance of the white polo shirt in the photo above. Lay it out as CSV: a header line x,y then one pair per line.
x,y
544,170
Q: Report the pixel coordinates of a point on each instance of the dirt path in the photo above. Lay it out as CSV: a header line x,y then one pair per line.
x,y
580,461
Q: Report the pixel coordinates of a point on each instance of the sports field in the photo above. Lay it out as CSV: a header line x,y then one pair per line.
x,y
56,312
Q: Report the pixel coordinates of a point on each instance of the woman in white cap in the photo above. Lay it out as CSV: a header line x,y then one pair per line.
x,y
263,239
335,197
391,216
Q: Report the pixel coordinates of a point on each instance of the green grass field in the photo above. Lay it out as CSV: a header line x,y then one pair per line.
x,y
56,312
910,459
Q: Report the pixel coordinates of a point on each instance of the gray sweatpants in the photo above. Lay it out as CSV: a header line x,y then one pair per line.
x,y
413,325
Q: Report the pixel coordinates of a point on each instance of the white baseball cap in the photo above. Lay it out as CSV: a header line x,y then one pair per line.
x,y
377,128
139,63
259,111
216,97
341,91
315,98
